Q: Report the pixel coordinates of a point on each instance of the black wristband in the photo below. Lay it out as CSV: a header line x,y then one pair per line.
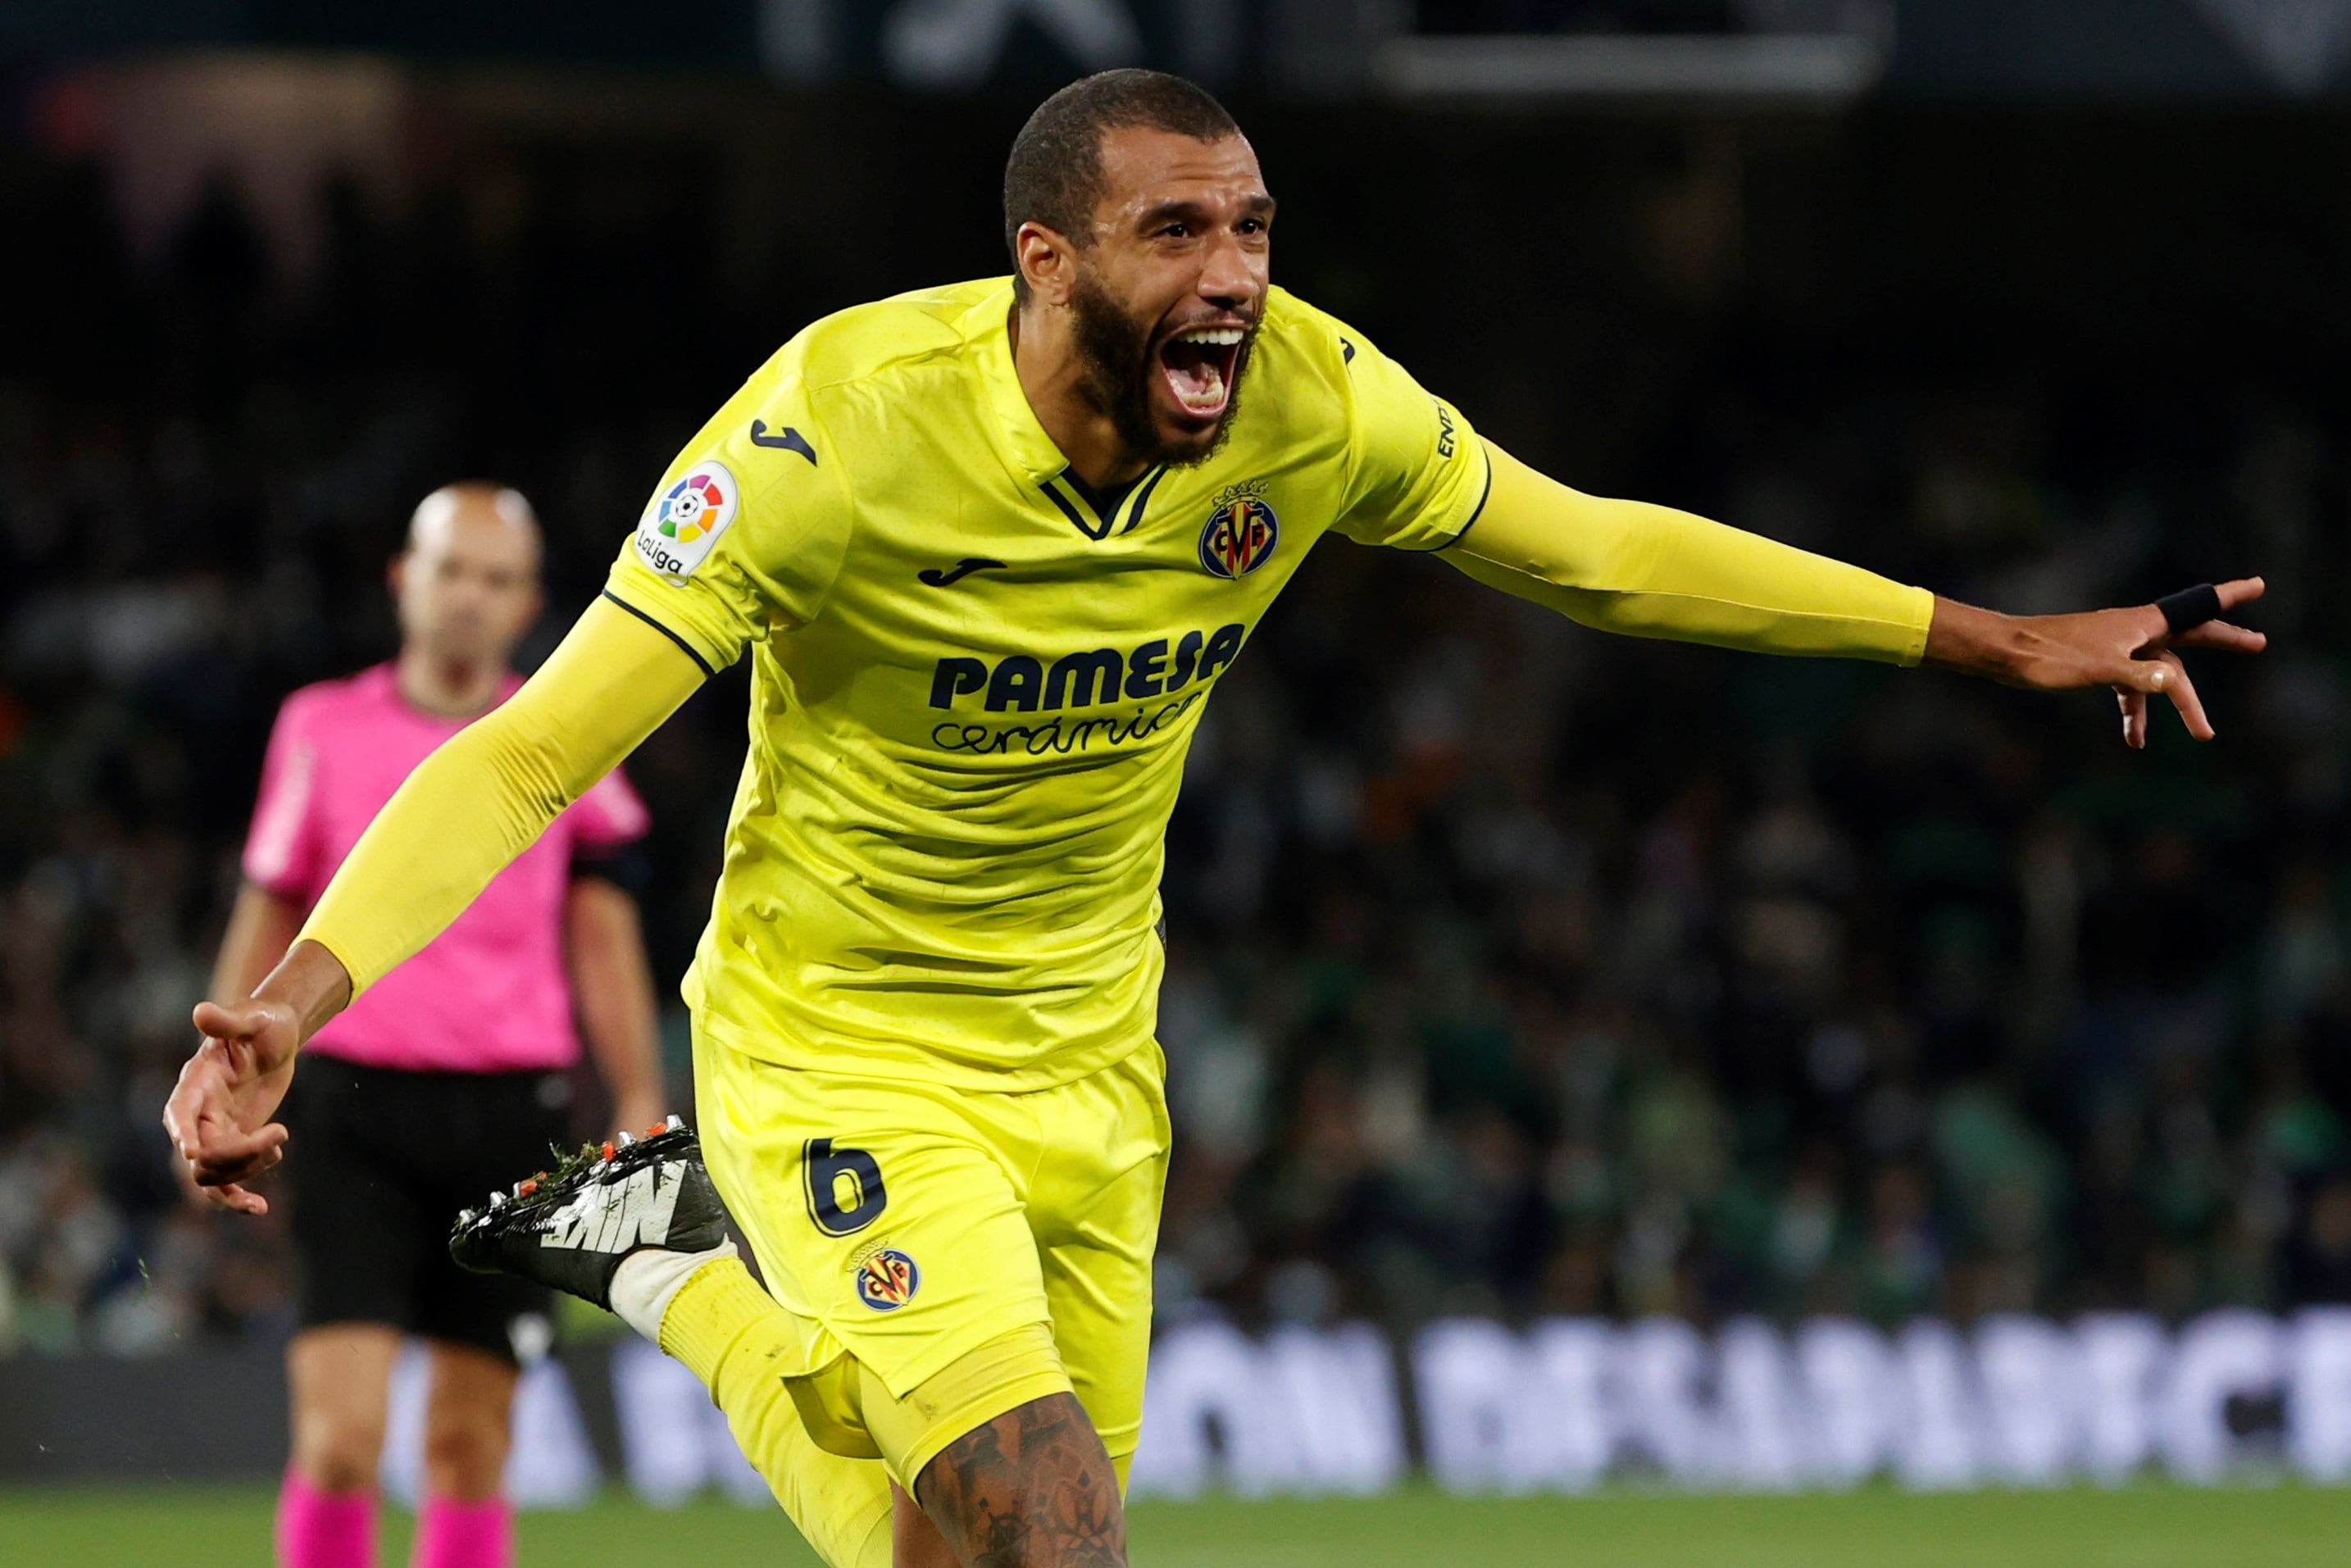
x,y
2189,608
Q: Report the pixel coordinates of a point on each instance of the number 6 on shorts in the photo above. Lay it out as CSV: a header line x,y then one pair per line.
x,y
844,1187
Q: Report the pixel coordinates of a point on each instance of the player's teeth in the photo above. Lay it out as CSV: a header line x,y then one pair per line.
x,y
1225,337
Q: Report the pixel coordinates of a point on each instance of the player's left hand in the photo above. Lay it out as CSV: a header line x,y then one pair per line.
x,y
2134,651
219,1114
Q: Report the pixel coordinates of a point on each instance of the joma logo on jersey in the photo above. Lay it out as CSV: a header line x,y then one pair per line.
x,y
1241,533
613,1220
1020,684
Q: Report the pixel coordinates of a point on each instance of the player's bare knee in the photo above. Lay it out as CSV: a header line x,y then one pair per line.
x,y
466,1455
1032,1488
337,1451
335,1472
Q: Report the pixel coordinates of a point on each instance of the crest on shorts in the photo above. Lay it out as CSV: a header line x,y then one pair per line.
x,y
1242,532
685,521
888,1280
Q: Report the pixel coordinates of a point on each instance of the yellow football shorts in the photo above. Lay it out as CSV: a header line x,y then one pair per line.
x,y
908,1225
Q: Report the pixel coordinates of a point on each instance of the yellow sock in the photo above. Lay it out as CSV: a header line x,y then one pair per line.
x,y
732,1335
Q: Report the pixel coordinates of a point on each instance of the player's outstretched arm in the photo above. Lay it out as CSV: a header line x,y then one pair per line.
x,y
467,810
1652,571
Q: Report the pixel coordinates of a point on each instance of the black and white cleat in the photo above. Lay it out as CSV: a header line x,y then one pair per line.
x,y
571,1227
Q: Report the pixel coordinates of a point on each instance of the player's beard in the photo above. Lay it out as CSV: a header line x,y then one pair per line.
x,y
1117,353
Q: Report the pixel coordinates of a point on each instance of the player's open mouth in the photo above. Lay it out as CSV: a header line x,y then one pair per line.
x,y
1200,364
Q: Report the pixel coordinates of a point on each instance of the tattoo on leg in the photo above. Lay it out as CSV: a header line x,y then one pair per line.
x,y
1032,1488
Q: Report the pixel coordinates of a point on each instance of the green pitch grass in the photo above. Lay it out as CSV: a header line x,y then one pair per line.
x,y
2141,1527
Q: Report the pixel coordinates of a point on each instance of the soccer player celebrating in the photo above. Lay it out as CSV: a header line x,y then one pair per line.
x,y
990,547
450,1075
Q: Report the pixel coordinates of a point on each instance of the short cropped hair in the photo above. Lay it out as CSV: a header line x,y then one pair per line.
x,y
1054,177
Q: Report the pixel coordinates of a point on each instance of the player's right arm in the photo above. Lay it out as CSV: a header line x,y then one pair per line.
x,y
468,810
741,539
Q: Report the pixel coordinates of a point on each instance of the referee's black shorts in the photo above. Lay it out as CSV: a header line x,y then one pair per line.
x,y
379,1163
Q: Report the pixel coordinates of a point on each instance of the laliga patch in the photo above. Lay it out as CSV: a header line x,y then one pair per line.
x,y
1241,534
887,1279
685,521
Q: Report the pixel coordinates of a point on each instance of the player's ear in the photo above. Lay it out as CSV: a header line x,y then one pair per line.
x,y
1048,261
396,573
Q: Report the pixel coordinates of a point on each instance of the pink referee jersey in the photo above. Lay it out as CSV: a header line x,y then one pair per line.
x,y
490,994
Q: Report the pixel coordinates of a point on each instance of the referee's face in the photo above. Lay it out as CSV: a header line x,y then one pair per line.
x,y
1170,292
468,585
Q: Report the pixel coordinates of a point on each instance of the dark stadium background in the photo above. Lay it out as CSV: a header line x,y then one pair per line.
x,y
1514,970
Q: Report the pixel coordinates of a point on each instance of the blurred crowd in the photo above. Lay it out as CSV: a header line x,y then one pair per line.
x,y
1521,18
1512,968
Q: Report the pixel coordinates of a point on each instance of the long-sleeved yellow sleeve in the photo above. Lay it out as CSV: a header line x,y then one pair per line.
x,y
488,793
1652,571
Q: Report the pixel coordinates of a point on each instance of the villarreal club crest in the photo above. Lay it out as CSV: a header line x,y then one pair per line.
x,y
888,1280
1241,534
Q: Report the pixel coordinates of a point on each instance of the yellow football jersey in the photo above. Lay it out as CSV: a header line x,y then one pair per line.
x,y
975,680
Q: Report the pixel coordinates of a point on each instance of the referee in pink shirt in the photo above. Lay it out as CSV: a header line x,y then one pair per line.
x,y
450,1075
